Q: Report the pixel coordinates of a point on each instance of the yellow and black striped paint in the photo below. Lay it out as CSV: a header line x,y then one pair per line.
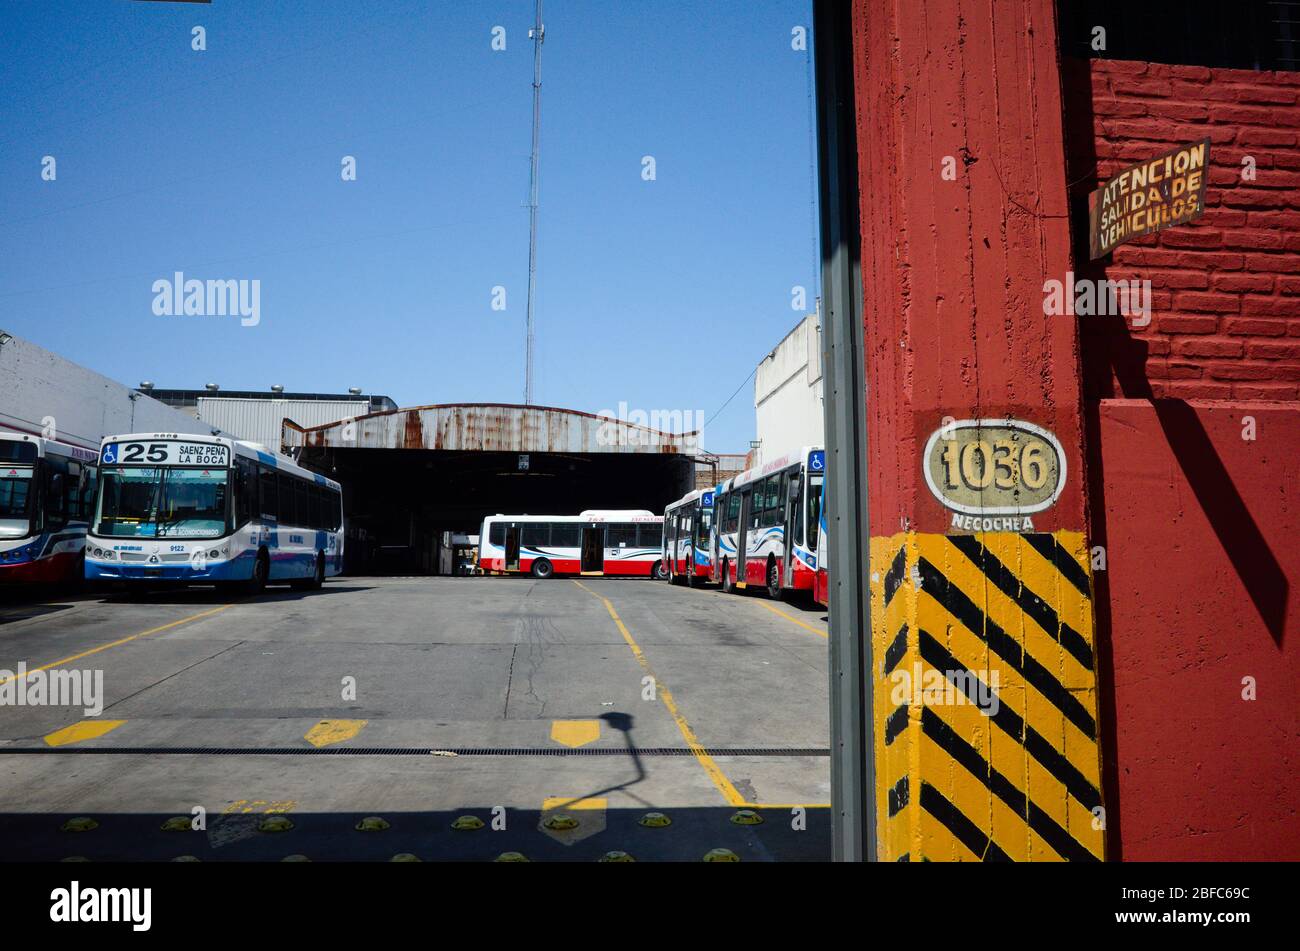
x,y
1022,781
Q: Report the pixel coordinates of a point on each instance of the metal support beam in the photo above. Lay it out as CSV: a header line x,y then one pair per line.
x,y
852,740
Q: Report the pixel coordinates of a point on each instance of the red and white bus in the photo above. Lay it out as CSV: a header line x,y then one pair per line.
x,y
47,489
596,542
766,524
688,526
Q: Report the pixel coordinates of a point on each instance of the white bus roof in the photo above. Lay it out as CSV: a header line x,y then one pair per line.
x,y
45,445
632,515
687,499
798,457
238,447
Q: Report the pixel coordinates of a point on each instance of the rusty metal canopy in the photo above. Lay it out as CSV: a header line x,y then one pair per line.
x,y
492,427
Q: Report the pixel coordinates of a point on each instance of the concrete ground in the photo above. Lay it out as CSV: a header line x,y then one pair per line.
x,y
557,713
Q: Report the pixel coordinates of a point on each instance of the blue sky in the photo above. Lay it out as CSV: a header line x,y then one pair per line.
x,y
225,164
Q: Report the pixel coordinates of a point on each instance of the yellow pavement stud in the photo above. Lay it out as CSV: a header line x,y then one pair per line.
x,y
746,817
85,730
328,732
467,823
721,855
616,855
655,820
176,824
274,824
560,822
511,857
372,824
574,733
406,857
80,824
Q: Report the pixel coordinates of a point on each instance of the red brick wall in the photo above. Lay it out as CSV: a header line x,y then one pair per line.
x,y
1226,288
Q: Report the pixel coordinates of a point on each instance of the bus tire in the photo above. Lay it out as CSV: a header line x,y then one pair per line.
x,y
692,579
659,570
728,585
261,573
773,579
542,569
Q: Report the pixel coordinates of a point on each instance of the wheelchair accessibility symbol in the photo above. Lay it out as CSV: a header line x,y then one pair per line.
x,y
110,454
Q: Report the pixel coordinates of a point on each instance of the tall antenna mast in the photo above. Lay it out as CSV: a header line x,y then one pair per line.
x,y
538,34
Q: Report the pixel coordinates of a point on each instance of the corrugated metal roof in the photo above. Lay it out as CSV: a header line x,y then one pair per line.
x,y
491,427
261,421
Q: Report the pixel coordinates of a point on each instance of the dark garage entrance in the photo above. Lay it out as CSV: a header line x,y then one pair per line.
x,y
413,477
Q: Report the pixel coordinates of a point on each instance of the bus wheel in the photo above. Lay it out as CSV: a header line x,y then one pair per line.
x,y
728,585
542,568
773,580
261,573
659,571
692,581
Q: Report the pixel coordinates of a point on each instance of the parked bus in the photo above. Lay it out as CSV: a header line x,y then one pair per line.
x,y
687,549
211,510
596,542
46,490
766,522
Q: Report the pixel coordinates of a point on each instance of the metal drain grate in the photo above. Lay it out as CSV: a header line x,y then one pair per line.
x,y
408,751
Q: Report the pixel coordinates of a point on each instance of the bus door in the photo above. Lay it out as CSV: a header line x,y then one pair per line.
x,y
593,550
742,535
793,496
512,548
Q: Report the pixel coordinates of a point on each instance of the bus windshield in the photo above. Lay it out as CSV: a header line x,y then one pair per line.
x,y
15,501
172,503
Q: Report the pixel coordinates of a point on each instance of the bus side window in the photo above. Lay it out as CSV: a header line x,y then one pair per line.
x,y
497,534
649,535
755,504
269,504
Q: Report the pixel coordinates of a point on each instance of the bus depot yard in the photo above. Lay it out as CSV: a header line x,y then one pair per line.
x,y
437,718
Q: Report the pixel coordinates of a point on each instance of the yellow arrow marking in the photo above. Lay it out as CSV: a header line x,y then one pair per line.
x,y
85,730
575,732
333,731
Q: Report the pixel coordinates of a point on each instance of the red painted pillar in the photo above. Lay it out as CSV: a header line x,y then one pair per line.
x,y
979,572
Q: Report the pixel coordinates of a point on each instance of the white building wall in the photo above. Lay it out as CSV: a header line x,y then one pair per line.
x,y
788,393
41,392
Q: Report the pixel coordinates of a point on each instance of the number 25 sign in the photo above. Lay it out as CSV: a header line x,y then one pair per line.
x,y
994,467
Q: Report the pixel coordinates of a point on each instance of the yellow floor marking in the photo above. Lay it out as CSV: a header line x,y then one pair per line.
x,y
575,732
729,792
118,643
85,730
792,619
567,804
333,731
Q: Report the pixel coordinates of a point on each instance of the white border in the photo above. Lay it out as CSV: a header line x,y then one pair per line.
x,y
1001,509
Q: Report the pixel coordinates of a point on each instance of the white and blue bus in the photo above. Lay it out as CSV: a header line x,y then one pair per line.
x,y
688,524
766,522
46,490
210,510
